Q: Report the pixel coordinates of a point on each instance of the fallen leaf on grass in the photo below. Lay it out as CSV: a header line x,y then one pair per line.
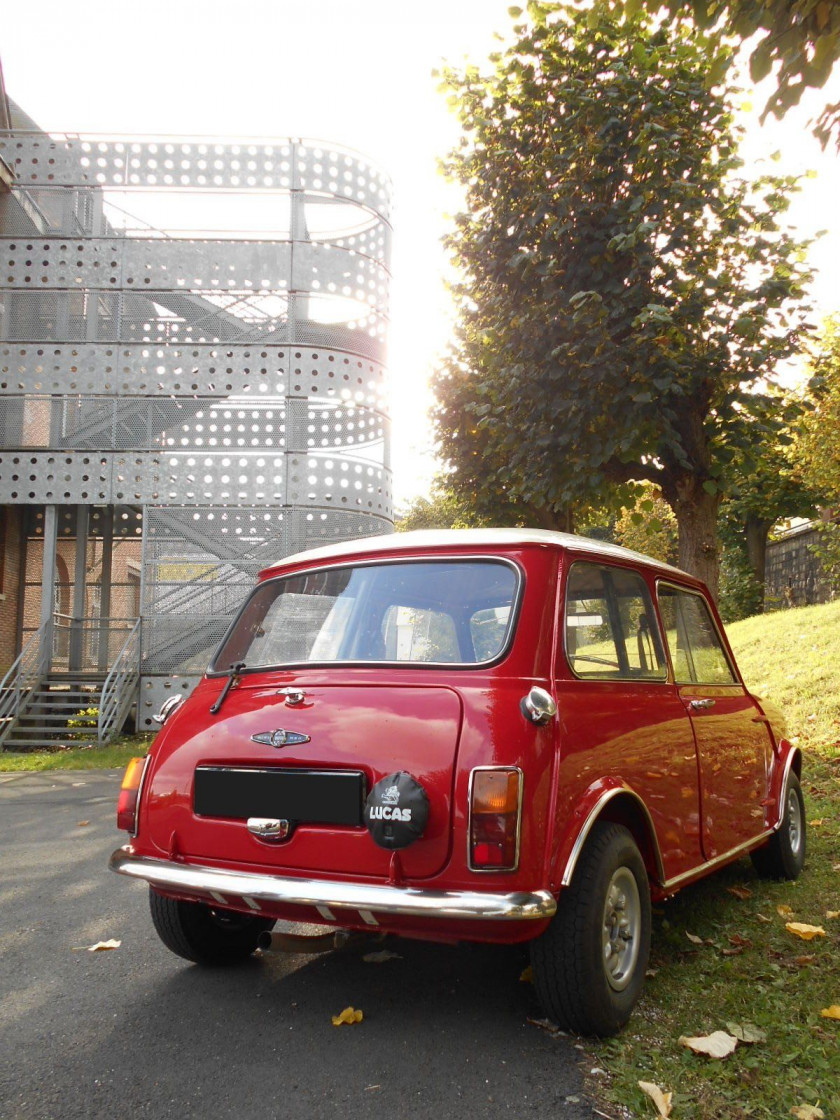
x,y
527,975
380,957
718,1044
348,1015
694,939
807,1112
746,1032
831,914
660,1099
803,930
741,942
832,1012
736,952
817,823
764,918
740,892
805,959
784,910
100,946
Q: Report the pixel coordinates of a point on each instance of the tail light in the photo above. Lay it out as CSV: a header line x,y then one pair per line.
x,y
130,795
495,809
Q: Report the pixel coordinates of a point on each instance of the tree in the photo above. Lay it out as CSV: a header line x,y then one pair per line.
x,y
799,39
649,526
623,291
817,449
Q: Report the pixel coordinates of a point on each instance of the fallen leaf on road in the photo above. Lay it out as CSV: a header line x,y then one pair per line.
x,y
348,1015
832,1012
740,892
807,1112
746,1032
382,956
82,824
547,1026
660,1099
527,975
718,1044
803,930
100,946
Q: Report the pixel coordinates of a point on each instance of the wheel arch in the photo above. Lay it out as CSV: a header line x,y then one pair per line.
x,y
619,805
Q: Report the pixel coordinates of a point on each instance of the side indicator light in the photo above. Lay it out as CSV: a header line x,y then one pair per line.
x,y
495,805
129,792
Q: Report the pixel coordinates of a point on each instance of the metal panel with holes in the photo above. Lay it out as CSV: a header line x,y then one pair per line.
x,y
193,332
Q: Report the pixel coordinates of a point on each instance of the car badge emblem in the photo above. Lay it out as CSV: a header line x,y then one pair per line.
x,y
390,796
280,738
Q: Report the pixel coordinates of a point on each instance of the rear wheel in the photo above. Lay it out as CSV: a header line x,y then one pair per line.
x,y
784,856
589,965
203,934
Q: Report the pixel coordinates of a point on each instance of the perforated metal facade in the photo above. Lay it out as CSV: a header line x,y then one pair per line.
x,y
195,330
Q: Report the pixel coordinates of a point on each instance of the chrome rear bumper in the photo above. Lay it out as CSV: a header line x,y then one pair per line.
x,y
233,888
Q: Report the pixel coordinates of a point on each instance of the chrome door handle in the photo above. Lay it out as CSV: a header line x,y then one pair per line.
x,y
538,706
698,704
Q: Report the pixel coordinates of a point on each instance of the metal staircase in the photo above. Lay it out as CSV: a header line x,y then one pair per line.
x,y
36,706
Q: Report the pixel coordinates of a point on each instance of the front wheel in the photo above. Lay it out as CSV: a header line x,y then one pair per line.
x,y
203,934
589,965
783,857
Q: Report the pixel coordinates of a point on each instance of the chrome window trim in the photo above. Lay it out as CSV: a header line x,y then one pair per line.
x,y
733,669
241,888
495,870
515,605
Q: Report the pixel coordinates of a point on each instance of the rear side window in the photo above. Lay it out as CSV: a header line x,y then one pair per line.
x,y
693,640
610,627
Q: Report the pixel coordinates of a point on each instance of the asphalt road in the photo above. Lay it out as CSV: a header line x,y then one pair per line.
x,y
138,1032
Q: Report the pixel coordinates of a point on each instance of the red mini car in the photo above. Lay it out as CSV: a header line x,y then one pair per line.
x,y
491,735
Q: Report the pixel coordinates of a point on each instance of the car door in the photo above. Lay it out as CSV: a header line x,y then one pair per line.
x,y
622,718
733,742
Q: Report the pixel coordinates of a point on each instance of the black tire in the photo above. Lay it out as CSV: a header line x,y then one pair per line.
x,y
783,857
588,971
204,935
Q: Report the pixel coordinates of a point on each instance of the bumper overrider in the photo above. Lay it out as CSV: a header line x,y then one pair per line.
x,y
232,888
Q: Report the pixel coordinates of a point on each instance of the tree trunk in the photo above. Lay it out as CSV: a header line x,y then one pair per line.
x,y
696,513
561,521
756,530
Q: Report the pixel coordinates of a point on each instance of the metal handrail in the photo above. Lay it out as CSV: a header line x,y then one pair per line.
x,y
116,691
22,679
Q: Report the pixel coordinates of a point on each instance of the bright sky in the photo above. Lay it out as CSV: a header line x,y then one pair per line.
x,y
352,72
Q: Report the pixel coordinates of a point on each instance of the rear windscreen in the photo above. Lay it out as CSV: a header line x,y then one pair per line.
x,y
425,612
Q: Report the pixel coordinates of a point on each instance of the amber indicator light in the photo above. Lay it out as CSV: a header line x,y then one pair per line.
x,y
127,803
494,819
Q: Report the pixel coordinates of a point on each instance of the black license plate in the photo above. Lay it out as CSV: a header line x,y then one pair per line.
x,y
319,796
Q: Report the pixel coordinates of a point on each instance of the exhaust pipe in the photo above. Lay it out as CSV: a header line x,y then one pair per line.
x,y
302,943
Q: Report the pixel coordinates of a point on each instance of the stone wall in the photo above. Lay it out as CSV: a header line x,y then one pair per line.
x,y
793,573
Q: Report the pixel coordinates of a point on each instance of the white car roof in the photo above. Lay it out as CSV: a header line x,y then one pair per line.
x,y
479,538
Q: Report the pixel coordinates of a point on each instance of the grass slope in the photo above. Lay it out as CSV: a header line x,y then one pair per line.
x,y
749,967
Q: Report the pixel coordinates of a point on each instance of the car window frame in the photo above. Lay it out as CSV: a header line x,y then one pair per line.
x,y
457,666
612,607
724,645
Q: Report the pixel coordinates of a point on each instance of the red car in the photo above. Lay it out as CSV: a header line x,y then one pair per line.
x,y
490,735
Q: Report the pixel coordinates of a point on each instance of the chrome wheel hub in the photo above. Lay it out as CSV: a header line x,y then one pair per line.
x,y
794,822
621,932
